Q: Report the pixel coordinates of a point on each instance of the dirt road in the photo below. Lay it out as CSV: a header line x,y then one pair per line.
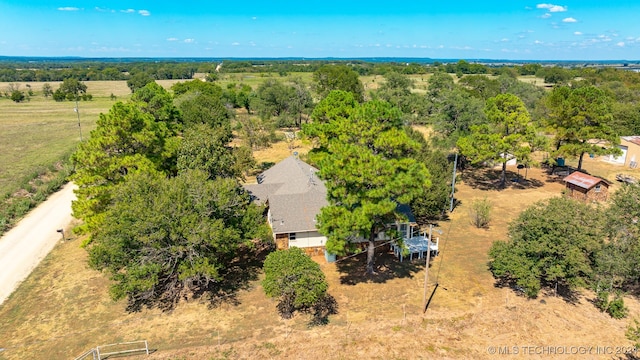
x,y
24,246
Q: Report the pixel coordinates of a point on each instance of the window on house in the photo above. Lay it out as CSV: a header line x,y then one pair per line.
x,y
598,188
292,236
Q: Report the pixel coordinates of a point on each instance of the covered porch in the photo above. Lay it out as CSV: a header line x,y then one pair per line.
x,y
415,244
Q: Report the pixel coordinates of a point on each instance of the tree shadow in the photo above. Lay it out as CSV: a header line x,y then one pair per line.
x,y
564,292
237,276
489,179
353,270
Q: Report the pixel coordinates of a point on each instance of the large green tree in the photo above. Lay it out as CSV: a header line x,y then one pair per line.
x,y
126,140
453,113
618,263
551,243
431,205
70,89
338,77
577,117
508,132
396,90
157,101
207,148
200,108
368,172
162,238
138,81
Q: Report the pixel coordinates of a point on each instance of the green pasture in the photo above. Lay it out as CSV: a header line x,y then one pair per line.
x,y
37,133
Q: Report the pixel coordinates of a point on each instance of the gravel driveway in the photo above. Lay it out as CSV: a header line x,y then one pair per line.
x,y
24,246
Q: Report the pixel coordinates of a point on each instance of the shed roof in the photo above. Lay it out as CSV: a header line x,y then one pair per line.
x,y
584,181
632,139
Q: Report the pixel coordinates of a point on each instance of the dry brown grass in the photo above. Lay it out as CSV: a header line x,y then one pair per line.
x,y
63,308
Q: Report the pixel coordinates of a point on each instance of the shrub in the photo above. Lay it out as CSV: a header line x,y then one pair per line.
x,y
615,308
480,212
299,283
633,332
17,96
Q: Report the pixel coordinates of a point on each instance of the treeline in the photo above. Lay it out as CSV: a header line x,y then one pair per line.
x,y
91,70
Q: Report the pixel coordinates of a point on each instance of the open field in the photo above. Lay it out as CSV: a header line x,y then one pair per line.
x,y
40,132
63,308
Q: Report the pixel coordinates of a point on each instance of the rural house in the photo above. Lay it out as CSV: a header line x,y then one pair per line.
x,y
294,196
630,147
581,186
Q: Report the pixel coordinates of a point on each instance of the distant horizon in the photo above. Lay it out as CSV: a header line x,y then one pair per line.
x,y
420,60
570,30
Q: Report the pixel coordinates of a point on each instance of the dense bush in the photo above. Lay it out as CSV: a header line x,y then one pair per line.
x,y
298,283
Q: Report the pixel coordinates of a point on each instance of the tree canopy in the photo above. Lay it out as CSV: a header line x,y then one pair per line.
x,y
580,119
71,89
368,172
338,77
508,132
551,243
126,140
163,237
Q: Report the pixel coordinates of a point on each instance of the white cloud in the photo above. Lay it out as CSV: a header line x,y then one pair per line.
x,y
254,18
189,41
128,11
68,8
235,44
604,38
144,12
578,33
620,44
546,16
504,40
172,39
538,42
552,8
569,20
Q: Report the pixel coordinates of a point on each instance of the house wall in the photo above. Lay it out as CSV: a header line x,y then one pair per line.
x,y
582,194
282,241
312,242
308,239
633,153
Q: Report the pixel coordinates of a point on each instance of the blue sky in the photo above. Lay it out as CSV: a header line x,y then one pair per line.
x,y
516,30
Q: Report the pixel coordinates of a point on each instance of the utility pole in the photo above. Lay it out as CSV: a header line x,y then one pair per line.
x,y
426,270
453,182
77,110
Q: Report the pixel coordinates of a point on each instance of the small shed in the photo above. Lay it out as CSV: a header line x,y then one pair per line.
x,y
581,186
